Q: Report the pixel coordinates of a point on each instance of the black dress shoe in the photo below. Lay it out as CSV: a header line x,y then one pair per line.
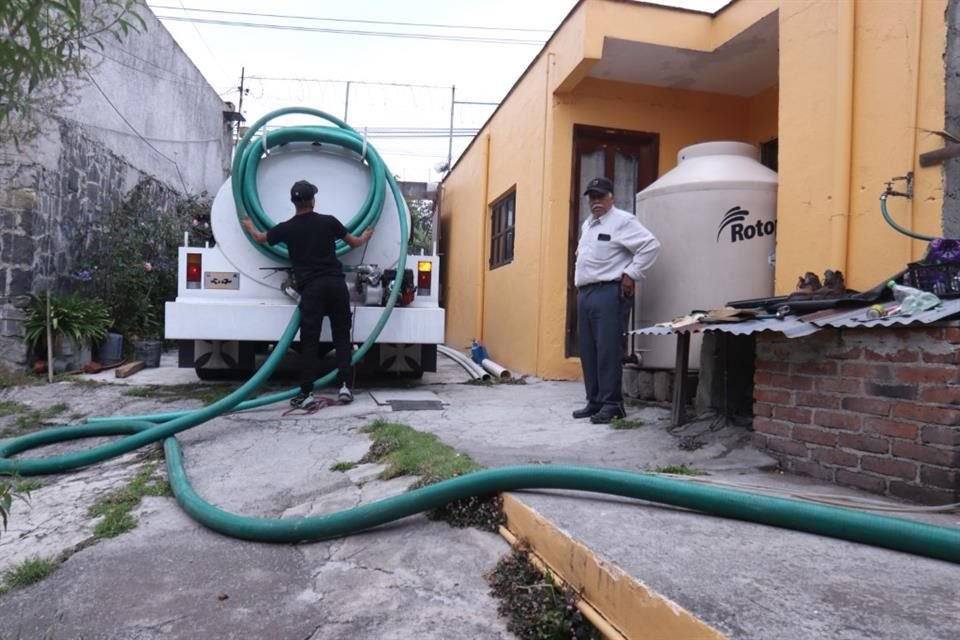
x,y
607,415
587,411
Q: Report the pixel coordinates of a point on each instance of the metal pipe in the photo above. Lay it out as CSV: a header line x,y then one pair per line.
x,y
472,367
843,135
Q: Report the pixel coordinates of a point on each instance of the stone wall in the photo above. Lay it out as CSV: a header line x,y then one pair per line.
x,y
48,216
877,409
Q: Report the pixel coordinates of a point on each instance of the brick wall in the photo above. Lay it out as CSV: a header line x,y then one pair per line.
x,y
877,409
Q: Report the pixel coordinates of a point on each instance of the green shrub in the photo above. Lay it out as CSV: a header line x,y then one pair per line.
x,y
83,320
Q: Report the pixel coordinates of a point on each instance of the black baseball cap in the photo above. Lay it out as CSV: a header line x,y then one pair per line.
x,y
599,185
302,191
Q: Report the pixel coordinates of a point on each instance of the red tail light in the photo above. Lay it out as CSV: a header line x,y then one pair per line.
x,y
194,270
424,277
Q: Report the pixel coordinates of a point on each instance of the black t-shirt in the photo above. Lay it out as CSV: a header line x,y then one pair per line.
x,y
311,240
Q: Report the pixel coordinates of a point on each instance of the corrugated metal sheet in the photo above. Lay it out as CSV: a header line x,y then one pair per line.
x,y
791,326
858,317
799,326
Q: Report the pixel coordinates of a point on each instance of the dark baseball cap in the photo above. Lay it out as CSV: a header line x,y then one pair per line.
x,y
302,191
599,185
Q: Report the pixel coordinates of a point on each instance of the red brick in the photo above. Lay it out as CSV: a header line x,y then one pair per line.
x,y
817,367
837,420
889,467
758,440
838,385
773,396
926,413
863,443
940,477
771,427
783,381
922,495
779,366
812,469
891,428
861,480
814,435
901,355
951,334
818,400
796,415
787,447
949,436
853,353
926,375
762,409
924,453
828,455
875,406
951,357
901,391
867,371
940,395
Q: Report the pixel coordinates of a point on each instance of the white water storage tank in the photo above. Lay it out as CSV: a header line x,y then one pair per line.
x,y
715,216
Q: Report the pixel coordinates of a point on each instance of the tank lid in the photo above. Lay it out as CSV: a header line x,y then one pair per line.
x,y
721,148
714,165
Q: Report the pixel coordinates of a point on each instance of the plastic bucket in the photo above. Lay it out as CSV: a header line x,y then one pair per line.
x,y
148,352
111,349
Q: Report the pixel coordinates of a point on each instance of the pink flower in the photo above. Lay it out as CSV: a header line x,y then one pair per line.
x,y
148,266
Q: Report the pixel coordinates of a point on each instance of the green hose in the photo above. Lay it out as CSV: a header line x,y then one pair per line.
x,y
903,230
847,524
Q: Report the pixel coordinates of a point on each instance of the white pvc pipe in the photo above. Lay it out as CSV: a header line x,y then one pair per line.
x,y
496,369
475,370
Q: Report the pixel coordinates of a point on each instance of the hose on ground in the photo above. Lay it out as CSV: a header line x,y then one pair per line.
x,y
894,533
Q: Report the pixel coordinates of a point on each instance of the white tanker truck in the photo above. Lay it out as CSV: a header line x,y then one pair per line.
x,y
232,301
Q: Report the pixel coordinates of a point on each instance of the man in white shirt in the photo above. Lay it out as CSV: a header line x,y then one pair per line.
x,y
613,252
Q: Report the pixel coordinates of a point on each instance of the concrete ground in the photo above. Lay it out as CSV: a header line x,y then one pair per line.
x,y
417,578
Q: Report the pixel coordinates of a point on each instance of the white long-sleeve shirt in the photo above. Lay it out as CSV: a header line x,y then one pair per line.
x,y
612,245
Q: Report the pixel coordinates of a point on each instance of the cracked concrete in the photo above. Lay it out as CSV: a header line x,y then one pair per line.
x,y
417,578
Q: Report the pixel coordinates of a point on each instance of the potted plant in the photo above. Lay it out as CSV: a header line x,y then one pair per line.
x,y
75,321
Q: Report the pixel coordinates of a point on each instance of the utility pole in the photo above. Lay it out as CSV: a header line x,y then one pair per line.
x,y
453,100
243,72
346,102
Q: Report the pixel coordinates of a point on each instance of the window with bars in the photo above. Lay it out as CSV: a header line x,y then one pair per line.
x,y
502,221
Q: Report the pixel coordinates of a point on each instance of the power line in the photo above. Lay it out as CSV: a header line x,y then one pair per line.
x,y
202,41
356,21
352,82
353,32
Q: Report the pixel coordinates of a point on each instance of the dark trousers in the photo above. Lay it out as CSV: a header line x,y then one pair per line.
x,y
602,316
324,297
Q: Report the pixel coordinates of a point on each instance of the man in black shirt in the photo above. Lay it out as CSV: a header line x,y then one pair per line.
x,y
311,241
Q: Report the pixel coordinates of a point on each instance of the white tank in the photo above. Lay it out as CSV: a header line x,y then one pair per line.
x,y
715,216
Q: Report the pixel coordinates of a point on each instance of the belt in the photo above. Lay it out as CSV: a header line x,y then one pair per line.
x,y
598,284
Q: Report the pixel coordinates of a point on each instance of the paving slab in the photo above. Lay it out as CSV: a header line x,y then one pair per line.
x,y
417,578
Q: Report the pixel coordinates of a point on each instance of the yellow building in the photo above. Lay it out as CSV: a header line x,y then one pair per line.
x,y
841,94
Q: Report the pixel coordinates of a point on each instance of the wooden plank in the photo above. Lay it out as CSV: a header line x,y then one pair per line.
x,y
129,369
931,158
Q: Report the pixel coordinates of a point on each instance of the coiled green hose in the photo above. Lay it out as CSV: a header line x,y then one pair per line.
x,y
884,531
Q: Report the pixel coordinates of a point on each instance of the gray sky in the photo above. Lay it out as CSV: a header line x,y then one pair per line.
x,y
311,63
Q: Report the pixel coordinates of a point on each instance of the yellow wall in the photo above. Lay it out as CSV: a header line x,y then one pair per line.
x,y
498,306
817,177
519,309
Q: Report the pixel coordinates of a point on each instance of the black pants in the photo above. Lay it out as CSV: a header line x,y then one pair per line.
x,y
602,316
324,297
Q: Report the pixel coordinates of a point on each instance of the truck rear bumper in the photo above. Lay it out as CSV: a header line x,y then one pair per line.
x,y
265,322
